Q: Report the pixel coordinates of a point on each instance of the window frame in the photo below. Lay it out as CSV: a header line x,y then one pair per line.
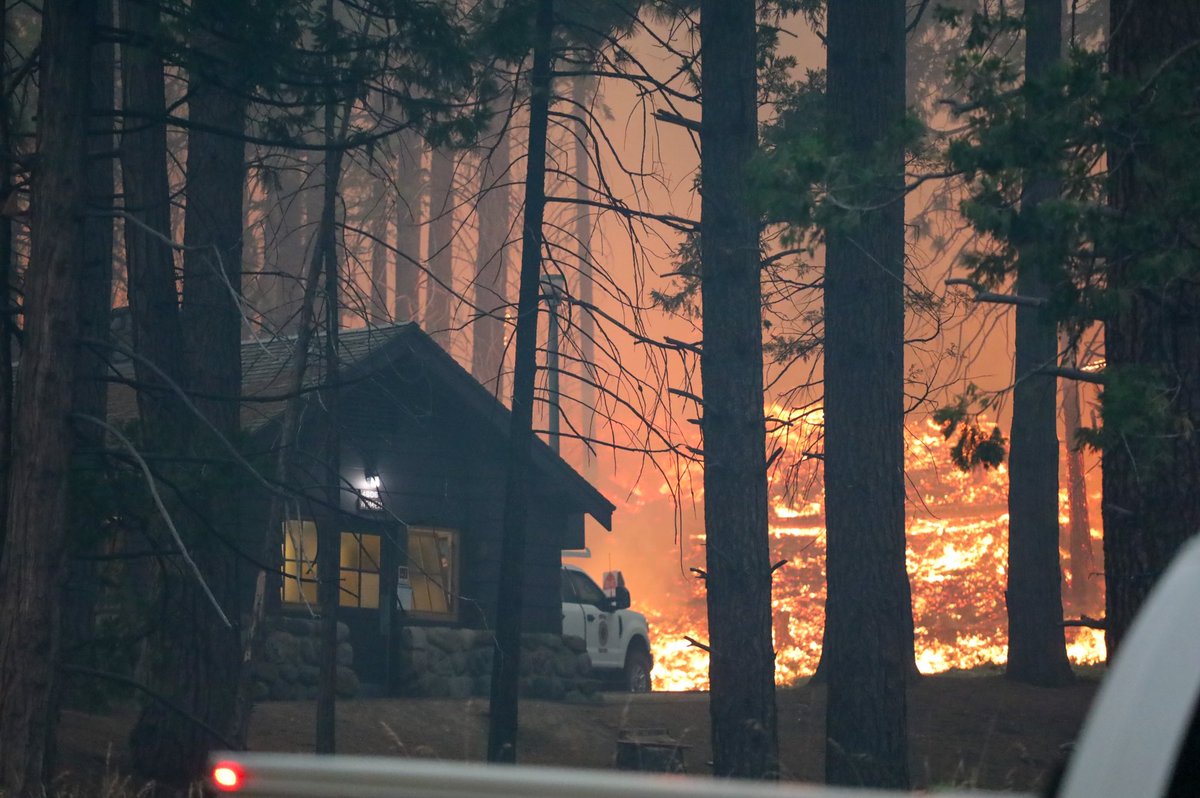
x,y
455,569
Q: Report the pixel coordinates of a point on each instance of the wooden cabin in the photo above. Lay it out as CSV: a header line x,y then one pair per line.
x,y
420,479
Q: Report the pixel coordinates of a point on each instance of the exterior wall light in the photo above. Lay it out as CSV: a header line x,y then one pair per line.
x,y
368,496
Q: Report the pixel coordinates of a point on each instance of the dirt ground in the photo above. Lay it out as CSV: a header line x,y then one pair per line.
x,y
966,731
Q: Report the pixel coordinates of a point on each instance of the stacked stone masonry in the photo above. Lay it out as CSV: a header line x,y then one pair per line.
x,y
288,666
440,662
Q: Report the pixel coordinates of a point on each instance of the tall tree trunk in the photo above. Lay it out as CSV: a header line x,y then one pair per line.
x,y
1152,481
1079,536
329,537
284,258
8,321
742,669
506,655
95,319
314,205
212,267
153,296
1037,651
269,583
440,282
196,657
32,571
410,183
377,223
868,652
491,257
583,90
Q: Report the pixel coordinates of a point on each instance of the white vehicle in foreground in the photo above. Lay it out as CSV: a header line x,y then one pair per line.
x,y
1131,745
618,639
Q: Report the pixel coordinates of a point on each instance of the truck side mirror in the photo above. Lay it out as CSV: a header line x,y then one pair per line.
x,y
621,600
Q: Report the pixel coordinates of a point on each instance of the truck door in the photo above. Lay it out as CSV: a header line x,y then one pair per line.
x,y
573,622
603,634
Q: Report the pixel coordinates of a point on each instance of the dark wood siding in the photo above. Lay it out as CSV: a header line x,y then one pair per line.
x,y
440,465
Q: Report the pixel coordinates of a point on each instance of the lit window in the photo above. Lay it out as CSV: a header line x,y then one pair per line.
x,y
433,572
359,566
300,562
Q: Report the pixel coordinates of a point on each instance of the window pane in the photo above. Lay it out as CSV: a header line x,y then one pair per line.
x,y
369,595
299,555
370,553
349,552
348,595
588,592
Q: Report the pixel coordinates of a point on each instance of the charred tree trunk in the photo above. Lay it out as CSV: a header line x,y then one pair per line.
x,y
1037,651
410,182
868,654
1152,344
1079,537
506,656
439,284
32,571
196,656
742,669
491,258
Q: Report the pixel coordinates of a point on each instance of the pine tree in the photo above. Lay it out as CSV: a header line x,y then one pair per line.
x,y
1036,643
868,651
33,567
738,569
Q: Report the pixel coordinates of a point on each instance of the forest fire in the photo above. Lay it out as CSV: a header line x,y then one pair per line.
x,y
957,553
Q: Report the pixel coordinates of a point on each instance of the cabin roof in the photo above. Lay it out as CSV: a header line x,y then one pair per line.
x,y
267,374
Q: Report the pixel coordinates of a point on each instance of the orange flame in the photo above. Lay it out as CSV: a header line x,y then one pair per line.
x,y
957,536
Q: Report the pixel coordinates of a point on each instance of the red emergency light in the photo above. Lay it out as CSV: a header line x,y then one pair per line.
x,y
227,776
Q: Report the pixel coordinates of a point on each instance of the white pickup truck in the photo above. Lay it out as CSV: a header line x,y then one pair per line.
x,y
1139,740
618,639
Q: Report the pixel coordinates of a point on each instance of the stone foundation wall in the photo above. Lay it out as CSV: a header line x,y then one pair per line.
x,y
288,666
442,662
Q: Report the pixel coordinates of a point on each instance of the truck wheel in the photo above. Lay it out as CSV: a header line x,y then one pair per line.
x,y
637,671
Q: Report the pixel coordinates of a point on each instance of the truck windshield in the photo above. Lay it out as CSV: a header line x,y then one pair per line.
x,y
586,591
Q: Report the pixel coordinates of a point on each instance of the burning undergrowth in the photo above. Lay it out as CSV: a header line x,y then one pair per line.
x,y
957,526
